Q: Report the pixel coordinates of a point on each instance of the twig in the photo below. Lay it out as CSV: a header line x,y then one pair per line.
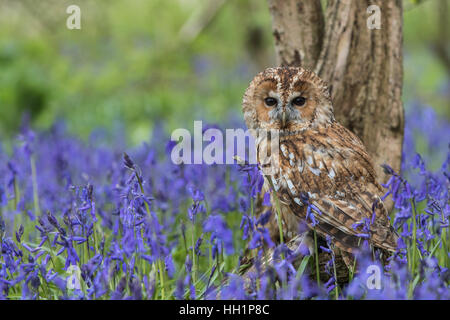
x,y
199,20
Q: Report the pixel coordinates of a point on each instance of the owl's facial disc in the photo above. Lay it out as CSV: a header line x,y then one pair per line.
x,y
296,102
276,108
284,111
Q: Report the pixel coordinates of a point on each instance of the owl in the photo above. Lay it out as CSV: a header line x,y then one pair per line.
x,y
323,177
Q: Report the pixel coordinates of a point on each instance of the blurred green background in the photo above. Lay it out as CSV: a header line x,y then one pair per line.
x,y
135,63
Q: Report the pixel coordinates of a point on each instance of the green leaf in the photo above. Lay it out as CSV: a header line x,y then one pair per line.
x,y
302,267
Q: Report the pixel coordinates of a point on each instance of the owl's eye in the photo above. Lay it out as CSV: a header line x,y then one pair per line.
x,y
270,102
299,101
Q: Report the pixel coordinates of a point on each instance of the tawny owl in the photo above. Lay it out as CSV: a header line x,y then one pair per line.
x,y
321,163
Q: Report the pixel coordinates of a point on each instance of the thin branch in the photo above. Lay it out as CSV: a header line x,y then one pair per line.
x,y
199,20
440,44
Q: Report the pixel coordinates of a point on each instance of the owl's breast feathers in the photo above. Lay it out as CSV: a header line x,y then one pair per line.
x,y
331,166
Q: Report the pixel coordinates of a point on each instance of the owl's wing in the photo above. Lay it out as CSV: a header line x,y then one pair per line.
x,y
336,173
343,219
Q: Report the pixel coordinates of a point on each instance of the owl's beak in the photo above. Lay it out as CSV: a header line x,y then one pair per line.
x,y
283,119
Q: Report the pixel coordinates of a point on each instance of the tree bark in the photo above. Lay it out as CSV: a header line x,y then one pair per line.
x,y
362,66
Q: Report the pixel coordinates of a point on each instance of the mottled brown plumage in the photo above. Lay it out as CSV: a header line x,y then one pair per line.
x,y
319,160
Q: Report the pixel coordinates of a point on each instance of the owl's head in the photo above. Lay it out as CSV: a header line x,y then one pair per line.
x,y
288,99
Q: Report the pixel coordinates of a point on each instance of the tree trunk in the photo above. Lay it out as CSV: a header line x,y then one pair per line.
x,y
362,66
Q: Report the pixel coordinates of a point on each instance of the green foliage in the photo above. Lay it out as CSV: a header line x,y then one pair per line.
x,y
131,62
127,62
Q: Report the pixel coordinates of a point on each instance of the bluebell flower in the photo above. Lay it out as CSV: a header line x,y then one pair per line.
x,y
170,268
260,237
219,230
